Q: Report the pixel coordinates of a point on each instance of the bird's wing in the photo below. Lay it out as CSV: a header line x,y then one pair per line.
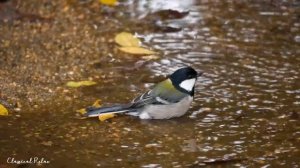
x,y
163,93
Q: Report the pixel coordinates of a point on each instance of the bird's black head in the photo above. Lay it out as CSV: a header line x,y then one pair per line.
x,y
184,79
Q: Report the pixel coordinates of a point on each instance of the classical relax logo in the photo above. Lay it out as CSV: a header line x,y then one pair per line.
x,y
32,160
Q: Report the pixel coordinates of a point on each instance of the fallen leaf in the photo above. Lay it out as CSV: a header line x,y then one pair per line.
x,y
126,39
80,83
137,50
97,103
3,110
81,111
109,2
131,44
103,117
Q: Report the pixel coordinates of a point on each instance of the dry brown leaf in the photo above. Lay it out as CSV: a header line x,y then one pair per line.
x,y
137,50
126,39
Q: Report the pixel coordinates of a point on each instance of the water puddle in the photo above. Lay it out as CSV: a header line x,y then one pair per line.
x,y
246,107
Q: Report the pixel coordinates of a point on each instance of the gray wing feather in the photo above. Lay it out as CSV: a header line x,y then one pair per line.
x,y
144,99
155,96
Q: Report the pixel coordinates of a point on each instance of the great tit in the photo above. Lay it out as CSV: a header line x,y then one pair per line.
x,y
169,98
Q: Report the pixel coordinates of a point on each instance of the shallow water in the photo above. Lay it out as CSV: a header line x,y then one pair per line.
x,y
247,102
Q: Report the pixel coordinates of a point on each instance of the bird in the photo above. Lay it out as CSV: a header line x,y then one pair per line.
x,y
168,99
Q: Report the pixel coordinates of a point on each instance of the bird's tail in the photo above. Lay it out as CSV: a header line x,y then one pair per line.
x,y
94,112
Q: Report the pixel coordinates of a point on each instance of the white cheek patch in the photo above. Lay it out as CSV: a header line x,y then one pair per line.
x,y
188,84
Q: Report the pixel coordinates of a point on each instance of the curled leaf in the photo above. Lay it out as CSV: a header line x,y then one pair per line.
x,y
137,50
108,2
103,117
3,110
80,83
126,39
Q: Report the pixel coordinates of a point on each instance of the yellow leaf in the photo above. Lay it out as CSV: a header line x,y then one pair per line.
x,y
126,39
137,50
81,111
109,2
97,103
80,83
103,117
3,110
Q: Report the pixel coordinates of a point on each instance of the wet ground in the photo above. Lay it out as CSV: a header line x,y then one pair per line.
x,y
246,108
